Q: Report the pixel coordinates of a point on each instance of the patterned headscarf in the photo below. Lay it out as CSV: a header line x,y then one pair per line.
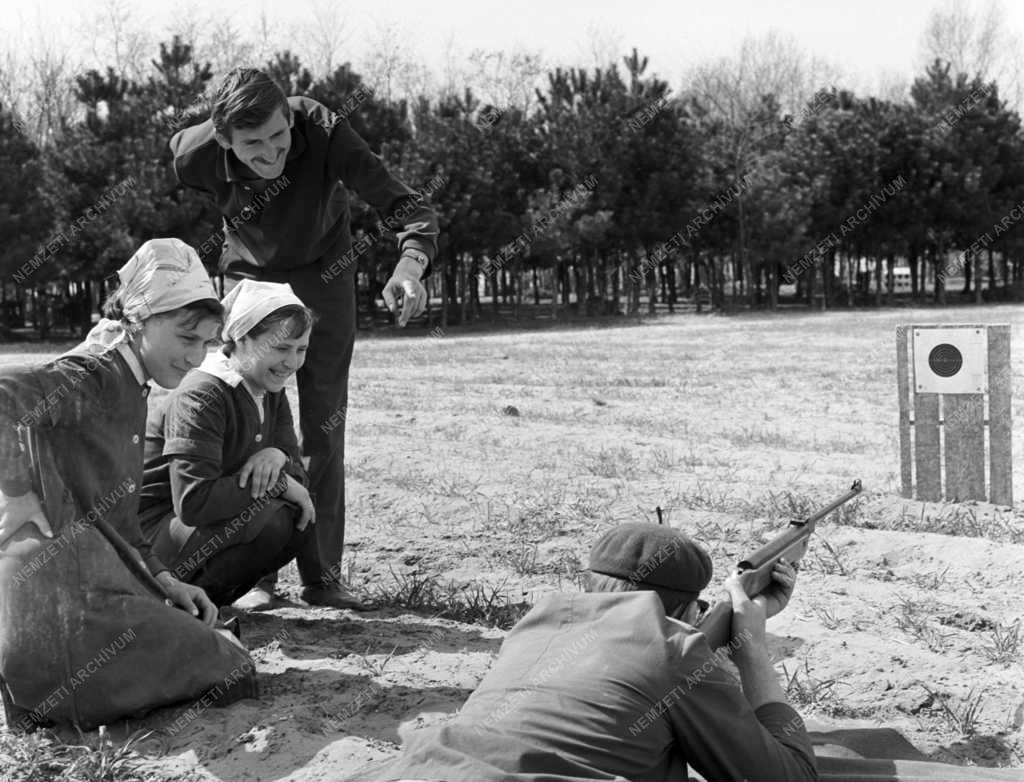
x,y
163,275
250,302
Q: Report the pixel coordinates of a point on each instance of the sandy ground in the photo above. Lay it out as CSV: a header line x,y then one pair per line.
x,y
489,463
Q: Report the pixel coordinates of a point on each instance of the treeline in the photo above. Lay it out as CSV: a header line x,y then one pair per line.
x,y
610,194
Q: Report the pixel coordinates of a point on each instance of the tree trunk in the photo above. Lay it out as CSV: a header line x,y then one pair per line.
x,y
517,290
616,283
463,291
741,235
915,281
828,267
556,281
671,275
445,287
474,288
494,294
733,292
939,266
635,286
652,287
852,265
977,277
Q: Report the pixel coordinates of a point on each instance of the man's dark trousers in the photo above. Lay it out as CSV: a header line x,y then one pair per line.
x,y
323,402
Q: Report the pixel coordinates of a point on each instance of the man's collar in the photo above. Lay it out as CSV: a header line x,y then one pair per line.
x,y
138,371
234,170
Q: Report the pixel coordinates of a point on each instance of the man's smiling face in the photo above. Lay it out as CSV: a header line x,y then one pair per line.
x,y
263,148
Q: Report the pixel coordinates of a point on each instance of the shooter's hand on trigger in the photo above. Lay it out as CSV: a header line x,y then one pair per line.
x,y
405,284
16,512
776,595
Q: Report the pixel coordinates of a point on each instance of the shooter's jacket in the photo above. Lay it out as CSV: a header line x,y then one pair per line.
x,y
83,639
302,217
602,686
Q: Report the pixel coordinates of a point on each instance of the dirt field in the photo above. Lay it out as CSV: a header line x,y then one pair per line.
x,y
481,467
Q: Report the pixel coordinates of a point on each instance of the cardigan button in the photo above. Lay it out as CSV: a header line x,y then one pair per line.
x,y
259,438
135,439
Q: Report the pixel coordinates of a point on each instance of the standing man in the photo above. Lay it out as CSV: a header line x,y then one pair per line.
x,y
277,168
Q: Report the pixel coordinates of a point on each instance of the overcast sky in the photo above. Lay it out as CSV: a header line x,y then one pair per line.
x,y
868,39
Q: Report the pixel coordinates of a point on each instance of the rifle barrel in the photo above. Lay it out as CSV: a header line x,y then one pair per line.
x,y
797,530
756,569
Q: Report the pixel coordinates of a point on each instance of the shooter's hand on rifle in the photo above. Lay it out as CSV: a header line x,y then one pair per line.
x,y
749,651
762,576
749,615
776,596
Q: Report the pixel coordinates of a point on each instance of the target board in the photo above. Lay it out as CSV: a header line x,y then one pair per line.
x,y
954,386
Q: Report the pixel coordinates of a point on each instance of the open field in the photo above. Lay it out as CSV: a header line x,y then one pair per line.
x,y
481,467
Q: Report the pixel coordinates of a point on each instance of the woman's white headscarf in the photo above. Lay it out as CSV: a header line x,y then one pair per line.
x,y
250,302
162,275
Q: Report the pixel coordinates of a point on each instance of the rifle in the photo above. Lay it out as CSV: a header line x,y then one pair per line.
x,y
756,570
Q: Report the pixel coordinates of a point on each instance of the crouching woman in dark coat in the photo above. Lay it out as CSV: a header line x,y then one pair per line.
x,y
225,499
93,626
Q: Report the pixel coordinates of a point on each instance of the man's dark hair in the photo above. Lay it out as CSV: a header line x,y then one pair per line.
x,y
246,99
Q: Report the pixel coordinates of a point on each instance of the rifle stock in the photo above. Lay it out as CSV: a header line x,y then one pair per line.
x,y
756,570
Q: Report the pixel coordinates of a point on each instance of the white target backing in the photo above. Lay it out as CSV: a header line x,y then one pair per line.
x,y
950,360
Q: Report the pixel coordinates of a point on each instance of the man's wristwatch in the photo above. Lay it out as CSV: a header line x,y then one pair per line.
x,y
420,257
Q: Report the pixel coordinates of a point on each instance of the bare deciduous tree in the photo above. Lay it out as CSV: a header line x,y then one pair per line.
x,y
977,43
773,64
13,80
50,96
225,47
602,45
452,76
393,69
506,79
891,86
325,34
119,38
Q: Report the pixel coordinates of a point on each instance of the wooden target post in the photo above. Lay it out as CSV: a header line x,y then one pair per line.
x,y
955,419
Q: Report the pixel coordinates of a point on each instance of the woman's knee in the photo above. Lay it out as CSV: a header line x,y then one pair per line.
x,y
274,527
276,518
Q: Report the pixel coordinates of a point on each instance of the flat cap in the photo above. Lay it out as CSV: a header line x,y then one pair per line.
x,y
653,555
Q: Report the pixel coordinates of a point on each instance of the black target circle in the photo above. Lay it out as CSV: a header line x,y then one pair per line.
x,y
945,360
